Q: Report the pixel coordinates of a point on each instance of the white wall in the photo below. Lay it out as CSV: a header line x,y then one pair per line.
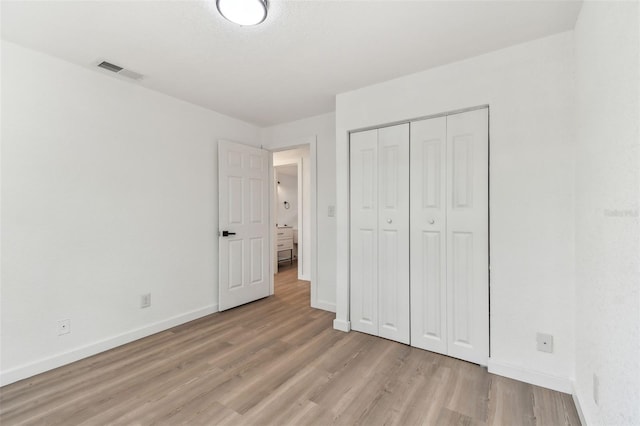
x,y
606,214
305,238
323,128
109,191
287,190
529,90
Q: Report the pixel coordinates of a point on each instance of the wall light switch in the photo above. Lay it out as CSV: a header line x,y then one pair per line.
x,y
64,327
545,342
145,300
331,211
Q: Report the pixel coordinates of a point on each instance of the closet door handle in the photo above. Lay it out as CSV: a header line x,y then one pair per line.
x,y
431,221
389,220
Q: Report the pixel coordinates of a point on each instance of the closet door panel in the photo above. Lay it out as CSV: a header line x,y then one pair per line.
x,y
428,234
393,236
468,236
364,231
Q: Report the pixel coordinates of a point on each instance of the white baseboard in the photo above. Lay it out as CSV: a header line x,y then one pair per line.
x,y
342,325
576,401
325,306
557,383
31,369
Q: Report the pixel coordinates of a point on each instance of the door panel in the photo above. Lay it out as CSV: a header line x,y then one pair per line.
x,y
256,196
235,264
462,287
468,236
393,225
431,311
243,209
462,171
258,246
234,200
368,296
428,237
364,231
387,290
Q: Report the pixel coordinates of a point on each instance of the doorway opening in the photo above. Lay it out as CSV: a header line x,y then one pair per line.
x,y
289,214
293,216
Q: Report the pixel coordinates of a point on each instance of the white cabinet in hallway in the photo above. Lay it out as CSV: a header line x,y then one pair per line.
x,y
285,244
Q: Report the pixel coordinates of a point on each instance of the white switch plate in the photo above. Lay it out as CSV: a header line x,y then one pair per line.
x,y
331,211
64,326
545,342
145,300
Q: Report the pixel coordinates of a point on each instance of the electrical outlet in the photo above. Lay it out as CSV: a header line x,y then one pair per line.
x,y
64,326
331,211
145,300
545,342
596,388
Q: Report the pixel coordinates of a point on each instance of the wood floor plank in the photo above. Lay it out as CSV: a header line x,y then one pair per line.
x,y
397,391
281,406
549,410
276,362
511,401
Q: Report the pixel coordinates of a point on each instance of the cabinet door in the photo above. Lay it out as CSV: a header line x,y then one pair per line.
x,y
364,231
468,236
428,234
393,234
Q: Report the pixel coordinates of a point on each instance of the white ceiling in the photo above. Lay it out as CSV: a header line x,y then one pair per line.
x,y
293,64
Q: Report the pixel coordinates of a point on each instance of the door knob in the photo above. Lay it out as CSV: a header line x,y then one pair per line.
x,y
431,221
389,220
227,233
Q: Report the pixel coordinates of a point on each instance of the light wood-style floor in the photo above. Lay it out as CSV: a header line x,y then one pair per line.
x,y
276,361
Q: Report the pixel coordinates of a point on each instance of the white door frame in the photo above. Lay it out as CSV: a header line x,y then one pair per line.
x,y
313,186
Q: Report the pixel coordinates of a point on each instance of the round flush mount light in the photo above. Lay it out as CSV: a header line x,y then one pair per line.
x,y
243,12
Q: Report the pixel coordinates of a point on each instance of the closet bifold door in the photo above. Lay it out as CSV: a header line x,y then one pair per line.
x,y
393,234
379,239
468,235
450,235
428,234
364,231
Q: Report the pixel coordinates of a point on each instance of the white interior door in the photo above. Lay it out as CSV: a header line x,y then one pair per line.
x,y
393,235
243,204
364,231
468,235
428,234
449,235
379,192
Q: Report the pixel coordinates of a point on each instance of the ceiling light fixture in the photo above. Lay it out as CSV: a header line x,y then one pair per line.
x,y
243,12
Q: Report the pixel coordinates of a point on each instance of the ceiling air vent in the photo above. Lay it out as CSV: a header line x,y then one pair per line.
x,y
119,70
108,66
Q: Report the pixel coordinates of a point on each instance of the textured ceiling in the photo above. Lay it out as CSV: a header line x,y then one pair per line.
x,y
293,64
